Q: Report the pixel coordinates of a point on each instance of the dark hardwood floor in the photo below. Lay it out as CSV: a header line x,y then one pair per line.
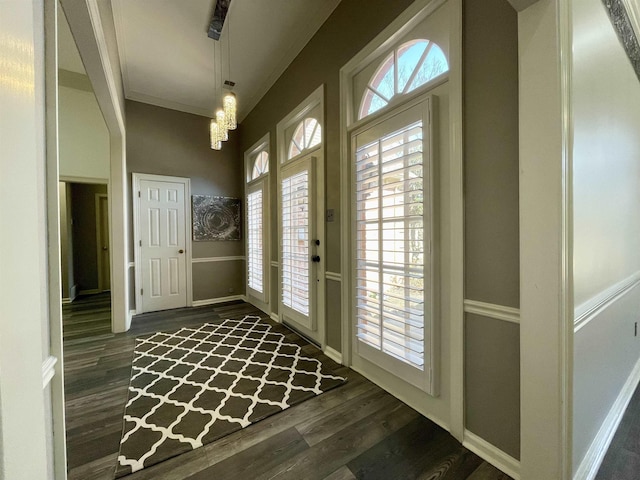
x,y
356,431
622,461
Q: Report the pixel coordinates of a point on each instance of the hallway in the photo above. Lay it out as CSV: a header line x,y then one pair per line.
x,y
354,431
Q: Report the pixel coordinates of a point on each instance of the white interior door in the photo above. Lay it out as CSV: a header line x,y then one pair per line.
x,y
299,246
162,245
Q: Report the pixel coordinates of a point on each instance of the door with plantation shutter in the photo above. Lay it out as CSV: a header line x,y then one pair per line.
x,y
297,245
393,223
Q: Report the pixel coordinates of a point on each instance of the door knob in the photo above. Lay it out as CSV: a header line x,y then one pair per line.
x,y
180,251
315,258
104,248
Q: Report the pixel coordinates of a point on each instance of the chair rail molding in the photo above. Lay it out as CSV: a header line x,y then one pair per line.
x,y
490,310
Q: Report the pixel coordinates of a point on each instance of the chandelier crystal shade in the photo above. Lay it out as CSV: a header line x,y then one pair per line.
x,y
230,106
222,125
214,134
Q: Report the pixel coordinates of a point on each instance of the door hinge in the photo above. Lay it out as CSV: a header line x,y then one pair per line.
x,y
141,291
140,242
139,194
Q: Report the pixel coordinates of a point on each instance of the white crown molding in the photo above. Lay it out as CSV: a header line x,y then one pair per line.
x,y
490,310
171,105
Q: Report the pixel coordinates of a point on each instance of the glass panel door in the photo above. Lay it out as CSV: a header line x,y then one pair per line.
x,y
298,277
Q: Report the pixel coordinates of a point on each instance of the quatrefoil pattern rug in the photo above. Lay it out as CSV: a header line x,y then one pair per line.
x,y
196,385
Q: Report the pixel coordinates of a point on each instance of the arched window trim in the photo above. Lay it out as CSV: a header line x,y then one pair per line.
x,y
263,169
310,143
251,156
390,62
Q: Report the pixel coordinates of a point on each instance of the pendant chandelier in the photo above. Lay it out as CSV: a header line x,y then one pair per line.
x,y
225,117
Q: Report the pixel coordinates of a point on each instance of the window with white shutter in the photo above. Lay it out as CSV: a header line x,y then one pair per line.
x,y
257,222
392,277
255,234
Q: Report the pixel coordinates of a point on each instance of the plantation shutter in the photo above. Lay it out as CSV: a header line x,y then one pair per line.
x,y
255,235
295,241
390,275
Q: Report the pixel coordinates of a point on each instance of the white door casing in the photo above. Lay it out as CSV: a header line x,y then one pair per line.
x,y
163,273
305,167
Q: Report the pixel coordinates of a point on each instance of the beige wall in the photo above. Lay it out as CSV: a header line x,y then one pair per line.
x,y
337,41
83,135
492,347
167,142
66,242
606,218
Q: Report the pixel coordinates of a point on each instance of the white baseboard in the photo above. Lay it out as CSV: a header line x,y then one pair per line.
x,y
213,301
492,454
93,291
590,464
72,295
65,301
334,355
275,317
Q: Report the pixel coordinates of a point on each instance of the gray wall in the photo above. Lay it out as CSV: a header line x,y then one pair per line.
x,y
167,142
605,101
492,347
335,43
85,257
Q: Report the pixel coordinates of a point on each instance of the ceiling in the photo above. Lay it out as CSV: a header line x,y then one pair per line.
x,y
168,59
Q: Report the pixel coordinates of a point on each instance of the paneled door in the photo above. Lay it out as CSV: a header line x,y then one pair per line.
x,y
299,246
162,245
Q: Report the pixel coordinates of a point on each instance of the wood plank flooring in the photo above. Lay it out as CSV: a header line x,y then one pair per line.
x,y
356,431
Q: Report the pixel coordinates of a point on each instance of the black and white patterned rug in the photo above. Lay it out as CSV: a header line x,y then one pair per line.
x,y
193,386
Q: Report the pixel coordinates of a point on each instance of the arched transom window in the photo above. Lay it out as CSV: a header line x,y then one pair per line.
x,y
408,67
307,135
260,165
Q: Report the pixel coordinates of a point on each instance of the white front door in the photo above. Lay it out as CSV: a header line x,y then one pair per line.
x,y
299,247
162,245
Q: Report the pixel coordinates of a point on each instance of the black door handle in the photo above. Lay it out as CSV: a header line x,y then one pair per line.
x,y
315,258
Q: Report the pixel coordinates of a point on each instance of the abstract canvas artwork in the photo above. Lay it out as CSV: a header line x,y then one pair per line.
x,y
216,218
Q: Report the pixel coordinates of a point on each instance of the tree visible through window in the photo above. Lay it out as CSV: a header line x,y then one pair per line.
x,y
408,67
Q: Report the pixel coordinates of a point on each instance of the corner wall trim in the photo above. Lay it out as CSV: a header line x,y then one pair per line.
x,y
213,301
333,354
490,310
592,460
590,309
492,454
48,370
336,277
217,259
